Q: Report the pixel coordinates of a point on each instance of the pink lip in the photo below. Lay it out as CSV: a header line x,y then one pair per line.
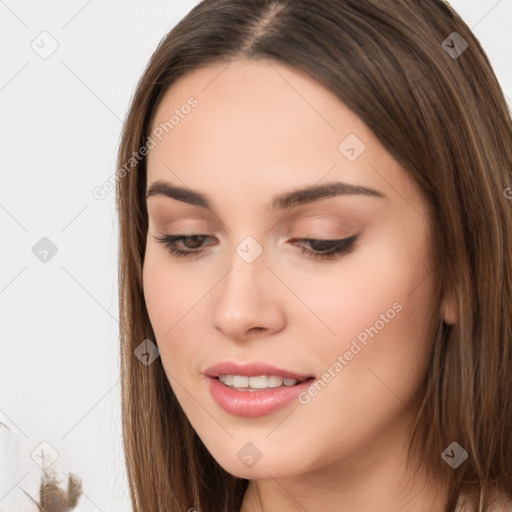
x,y
251,370
253,404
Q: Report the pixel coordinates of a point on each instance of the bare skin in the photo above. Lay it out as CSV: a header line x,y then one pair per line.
x,y
261,129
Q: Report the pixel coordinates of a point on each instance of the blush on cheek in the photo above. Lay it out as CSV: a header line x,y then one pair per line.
x,y
380,332
167,301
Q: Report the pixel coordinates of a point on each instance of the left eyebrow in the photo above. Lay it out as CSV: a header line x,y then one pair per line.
x,y
294,198
316,192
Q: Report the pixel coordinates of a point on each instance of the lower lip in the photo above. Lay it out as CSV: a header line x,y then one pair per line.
x,y
252,404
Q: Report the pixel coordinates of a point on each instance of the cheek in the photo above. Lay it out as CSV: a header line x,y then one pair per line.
x,y
177,305
168,298
168,292
391,316
374,364
376,304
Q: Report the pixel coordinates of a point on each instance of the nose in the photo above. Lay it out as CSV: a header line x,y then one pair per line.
x,y
247,301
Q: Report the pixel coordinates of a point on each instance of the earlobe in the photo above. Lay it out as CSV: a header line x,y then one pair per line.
x,y
450,309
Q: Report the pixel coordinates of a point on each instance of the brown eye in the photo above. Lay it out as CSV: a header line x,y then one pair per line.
x,y
190,242
325,249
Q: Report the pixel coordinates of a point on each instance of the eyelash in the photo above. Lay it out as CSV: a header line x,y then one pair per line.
x,y
335,247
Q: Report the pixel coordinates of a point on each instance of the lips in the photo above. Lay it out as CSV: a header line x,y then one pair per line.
x,y
253,369
257,402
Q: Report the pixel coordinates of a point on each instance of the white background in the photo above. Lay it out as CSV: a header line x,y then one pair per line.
x,y
60,122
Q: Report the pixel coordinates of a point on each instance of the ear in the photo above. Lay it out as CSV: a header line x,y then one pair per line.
x,y
450,308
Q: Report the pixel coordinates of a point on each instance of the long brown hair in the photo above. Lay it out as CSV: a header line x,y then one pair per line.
x,y
438,109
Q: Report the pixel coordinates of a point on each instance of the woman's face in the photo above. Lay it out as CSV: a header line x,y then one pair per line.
x,y
244,137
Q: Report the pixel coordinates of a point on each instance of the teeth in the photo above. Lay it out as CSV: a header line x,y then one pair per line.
x,y
227,379
259,382
274,381
240,381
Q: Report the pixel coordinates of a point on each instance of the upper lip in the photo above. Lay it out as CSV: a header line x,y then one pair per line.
x,y
253,369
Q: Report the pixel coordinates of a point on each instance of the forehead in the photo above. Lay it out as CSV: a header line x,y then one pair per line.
x,y
259,107
259,80
258,126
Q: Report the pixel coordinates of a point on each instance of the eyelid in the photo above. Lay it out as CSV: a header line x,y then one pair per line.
x,y
336,247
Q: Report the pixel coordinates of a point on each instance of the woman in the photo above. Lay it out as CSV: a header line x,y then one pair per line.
x,y
316,232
